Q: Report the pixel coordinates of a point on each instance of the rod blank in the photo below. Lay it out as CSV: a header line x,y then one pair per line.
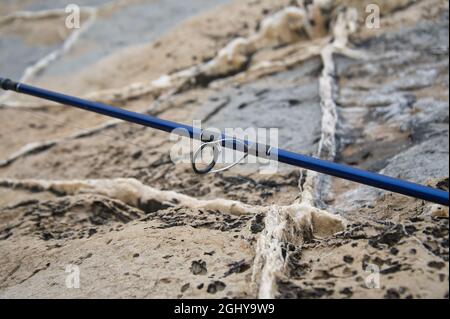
x,y
338,170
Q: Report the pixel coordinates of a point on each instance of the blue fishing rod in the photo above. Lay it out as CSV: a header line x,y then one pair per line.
x,y
249,148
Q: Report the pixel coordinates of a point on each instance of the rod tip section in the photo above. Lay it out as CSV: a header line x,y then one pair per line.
x,y
7,84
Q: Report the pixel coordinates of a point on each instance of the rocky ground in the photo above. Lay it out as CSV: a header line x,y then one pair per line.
x,y
79,189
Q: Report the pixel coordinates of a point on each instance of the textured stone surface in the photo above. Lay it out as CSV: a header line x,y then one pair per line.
x,y
398,125
288,101
128,241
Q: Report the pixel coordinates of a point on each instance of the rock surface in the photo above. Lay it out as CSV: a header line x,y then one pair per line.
x,y
105,197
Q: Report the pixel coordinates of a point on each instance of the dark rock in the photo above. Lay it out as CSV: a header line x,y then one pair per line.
x,y
443,185
152,206
348,259
394,251
391,270
237,267
436,265
47,236
257,224
215,286
198,267
347,291
136,155
389,237
288,290
185,287
392,294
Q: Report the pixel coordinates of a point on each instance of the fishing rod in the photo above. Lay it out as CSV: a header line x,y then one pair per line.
x,y
208,138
